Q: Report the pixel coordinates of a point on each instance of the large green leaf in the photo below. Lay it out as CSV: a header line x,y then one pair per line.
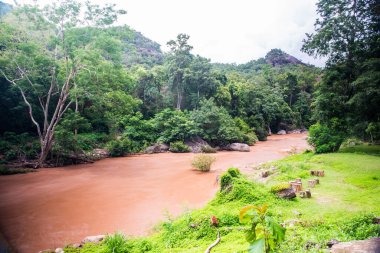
x,y
278,232
257,247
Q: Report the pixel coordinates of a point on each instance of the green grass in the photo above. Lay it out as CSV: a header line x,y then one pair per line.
x,y
342,207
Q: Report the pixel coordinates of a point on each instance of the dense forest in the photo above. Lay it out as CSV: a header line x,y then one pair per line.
x,y
69,85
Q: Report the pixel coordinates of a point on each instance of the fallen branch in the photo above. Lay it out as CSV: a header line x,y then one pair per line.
x,y
208,250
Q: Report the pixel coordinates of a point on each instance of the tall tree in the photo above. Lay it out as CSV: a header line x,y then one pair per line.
x,y
41,64
348,33
179,61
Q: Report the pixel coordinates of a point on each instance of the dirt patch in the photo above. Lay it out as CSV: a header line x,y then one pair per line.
x,y
58,206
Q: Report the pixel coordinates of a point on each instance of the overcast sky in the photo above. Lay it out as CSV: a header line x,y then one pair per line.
x,y
229,31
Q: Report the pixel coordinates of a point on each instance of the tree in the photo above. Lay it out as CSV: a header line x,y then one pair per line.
x,y
43,66
179,61
348,34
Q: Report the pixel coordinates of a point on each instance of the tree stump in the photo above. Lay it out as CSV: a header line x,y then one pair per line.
x,y
298,180
302,194
265,173
313,173
316,180
308,193
321,173
297,187
312,183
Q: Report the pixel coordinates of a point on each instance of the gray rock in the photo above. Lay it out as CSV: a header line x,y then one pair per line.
x,y
281,132
365,246
196,144
332,242
101,152
93,238
241,147
59,250
288,193
157,148
76,245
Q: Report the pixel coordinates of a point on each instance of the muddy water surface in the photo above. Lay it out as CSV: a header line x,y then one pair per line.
x,y
58,206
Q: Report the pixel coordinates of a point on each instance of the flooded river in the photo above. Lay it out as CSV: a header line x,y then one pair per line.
x,y
54,207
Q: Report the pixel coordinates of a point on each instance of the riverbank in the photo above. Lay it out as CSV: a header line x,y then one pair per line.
x,y
57,206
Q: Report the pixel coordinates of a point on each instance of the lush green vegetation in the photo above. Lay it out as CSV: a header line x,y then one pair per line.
x,y
342,207
73,88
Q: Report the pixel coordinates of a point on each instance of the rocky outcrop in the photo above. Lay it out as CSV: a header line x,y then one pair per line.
x,y
288,193
157,148
100,153
196,144
281,132
241,147
296,131
365,246
93,239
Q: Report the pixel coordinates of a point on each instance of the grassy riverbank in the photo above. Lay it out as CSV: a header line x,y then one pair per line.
x,y
342,207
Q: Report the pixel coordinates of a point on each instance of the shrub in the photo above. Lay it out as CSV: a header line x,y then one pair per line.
x,y
118,147
225,181
234,172
351,142
116,243
324,139
250,138
179,147
261,134
279,187
208,149
203,162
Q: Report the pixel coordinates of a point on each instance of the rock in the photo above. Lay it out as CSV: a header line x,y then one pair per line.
x,y
241,147
297,213
376,220
281,132
365,246
157,148
288,193
265,173
59,250
332,242
76,245
196,144
93,239
103,153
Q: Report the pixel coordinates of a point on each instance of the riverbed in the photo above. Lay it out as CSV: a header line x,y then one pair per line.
x,y
58,206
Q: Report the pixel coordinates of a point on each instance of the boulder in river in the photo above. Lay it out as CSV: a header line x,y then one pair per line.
x,y
364,246
241,147
281,132
157,148
59,250
196,144
93,239
287,193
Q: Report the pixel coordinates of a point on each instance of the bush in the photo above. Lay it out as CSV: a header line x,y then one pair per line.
x,y
116,243
179,147
261,134
279,187
234,172
351,142
250,138
324,139
118,147
208,149
203,162
225,181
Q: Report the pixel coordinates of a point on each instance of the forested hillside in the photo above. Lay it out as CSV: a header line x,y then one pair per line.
x,y
96,86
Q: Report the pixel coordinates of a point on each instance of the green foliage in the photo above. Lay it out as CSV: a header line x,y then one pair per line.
x,y
215,124
373,129
116,243
174,125
18,146
119,147
324,139
7,171
179,147
351,142
234,172
265,233
250,138
279,187
203,162
208,149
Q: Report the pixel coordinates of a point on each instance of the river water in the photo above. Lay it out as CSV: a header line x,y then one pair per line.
x,y
55,207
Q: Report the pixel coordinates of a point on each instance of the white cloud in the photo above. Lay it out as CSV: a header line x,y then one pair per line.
x,y
224,30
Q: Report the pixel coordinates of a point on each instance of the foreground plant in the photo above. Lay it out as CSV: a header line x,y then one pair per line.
x,y
265,233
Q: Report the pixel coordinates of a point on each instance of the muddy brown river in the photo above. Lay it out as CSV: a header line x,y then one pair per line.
x,y
55,207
